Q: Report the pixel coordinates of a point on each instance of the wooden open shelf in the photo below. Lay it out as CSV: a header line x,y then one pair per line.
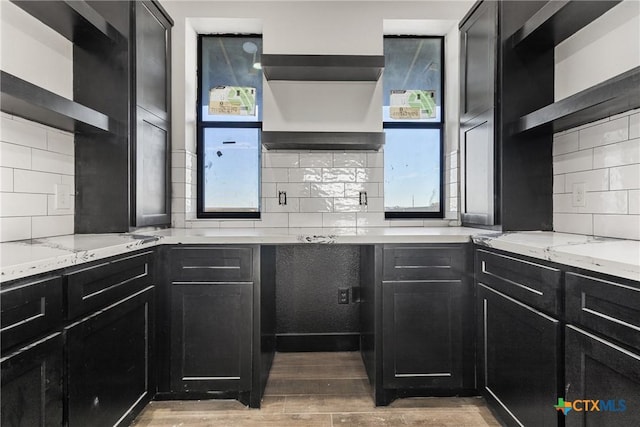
x,y
24,99
613,96
75,20
322,67
558,20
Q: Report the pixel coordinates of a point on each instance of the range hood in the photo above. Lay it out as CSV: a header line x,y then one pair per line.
x,y
322,102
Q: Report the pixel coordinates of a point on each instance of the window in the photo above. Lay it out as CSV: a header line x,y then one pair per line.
x,y
413,124
229,124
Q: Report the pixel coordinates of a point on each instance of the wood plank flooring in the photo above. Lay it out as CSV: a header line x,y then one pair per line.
x,y
319,390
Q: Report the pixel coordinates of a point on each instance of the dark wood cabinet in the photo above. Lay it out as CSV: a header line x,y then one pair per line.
x,y
151,142
416,320
518,359
109,362
32,386
211,337
597,369
506,177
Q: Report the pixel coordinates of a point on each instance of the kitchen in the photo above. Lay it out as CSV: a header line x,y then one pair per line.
x,y
575,201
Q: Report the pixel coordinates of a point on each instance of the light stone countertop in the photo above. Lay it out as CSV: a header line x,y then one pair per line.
x,y
612,256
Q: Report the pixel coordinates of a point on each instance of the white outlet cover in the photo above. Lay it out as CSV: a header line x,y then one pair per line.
x,y
578,198
63,196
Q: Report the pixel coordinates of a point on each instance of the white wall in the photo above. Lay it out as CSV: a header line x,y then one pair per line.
x,y
35,160
309,27
603,156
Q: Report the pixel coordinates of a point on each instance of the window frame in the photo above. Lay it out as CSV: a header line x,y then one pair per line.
x,y
424,125
202,126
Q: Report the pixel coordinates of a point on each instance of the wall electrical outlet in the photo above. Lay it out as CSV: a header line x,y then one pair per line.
x,y
343,295
578,198
62,196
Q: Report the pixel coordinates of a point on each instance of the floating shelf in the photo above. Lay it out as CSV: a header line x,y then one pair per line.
x,y
613,96
273,140
558,20
74,20
24,99
323,67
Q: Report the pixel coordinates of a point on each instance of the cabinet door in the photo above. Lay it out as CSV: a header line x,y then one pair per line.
x,y
32,384
596,369
211,327
422,334
152,190
478,55
108,366
519,359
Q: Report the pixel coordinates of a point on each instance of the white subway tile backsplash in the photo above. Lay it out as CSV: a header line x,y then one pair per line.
x,y
22,204
178,175
275,175
565,143
339,219
269,189
625,177
26,181
370,219
618,226
349,160
605,133
48,161
558,183
562,203
316,160
270,204
375,160
594,180
606,202
354,189
370,175
60,142
634,126
44,226
316,204
634,202
280,160
339,175
15,228
343,204
178,159
453,159
375,204
178,220
178,190
272,220
15,156
573,223
6,179
294,189
302,220
23,133
241,223
327,190
623,153
305,175
53,209
573,162
178,205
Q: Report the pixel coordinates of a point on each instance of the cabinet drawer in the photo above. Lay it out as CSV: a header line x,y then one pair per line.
x,y
534,284
100,285
422,262
212,264
29,309
608,307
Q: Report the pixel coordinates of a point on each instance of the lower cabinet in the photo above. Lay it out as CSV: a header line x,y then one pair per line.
x,y
518,359
108,362
32,388
599,370
211,328
422,334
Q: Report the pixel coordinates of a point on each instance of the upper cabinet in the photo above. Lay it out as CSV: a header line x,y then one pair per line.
x,y
323,67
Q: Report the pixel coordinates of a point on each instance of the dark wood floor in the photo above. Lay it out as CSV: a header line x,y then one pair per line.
x,y
323,390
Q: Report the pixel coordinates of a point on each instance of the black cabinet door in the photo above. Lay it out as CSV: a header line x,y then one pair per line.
x,y
109,362
597,369
422,334
519,359
32,393
211,327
